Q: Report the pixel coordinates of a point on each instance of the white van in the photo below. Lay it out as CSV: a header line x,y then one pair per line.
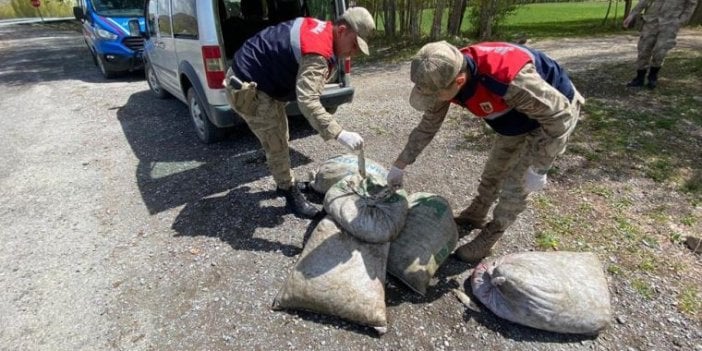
x,y
189,45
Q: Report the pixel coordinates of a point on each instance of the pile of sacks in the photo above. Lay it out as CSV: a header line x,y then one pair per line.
x,y
370,229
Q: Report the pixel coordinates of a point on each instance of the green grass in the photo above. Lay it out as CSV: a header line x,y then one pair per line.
x,y
552,20
48,8
690,301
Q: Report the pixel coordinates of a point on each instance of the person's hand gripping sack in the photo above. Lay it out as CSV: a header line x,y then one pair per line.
x,y
533,181
351,140
395,176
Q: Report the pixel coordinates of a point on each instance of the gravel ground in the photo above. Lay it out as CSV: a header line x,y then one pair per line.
x,y
121,232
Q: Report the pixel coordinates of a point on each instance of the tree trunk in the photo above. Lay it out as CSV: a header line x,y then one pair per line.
x,y
487,18
436,24
627,7
697,15
414,14
390,13
456,17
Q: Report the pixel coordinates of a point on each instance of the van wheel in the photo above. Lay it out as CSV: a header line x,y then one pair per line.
x,y
103,69
207,132
154,84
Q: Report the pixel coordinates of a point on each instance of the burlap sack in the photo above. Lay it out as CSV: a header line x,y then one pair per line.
x,y
367,208
426,240
338,275
339,167
563,292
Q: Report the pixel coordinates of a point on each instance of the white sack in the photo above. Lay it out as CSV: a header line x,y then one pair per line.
x,y
564,292
338,275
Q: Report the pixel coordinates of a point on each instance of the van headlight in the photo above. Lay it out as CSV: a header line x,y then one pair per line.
x,y
106,34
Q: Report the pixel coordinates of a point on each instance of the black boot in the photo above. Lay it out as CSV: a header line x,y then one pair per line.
x,y
297,203
653,77
639,80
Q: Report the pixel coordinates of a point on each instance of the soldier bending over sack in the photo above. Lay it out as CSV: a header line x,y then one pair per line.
x,y
291,61
524,95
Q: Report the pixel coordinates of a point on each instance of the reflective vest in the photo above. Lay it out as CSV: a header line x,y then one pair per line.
x,y
271,58
492,68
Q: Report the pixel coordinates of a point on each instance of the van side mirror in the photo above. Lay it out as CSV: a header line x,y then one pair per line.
x,y
78,12
134,30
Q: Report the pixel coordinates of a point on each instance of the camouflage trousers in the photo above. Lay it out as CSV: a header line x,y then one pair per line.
x,y
505,171
655,40
266,118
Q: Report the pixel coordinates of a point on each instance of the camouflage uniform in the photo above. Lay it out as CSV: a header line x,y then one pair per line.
x,y
266,116
510,156
662,20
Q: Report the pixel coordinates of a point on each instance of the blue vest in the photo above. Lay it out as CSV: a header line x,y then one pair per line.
x,y
488,75
271,57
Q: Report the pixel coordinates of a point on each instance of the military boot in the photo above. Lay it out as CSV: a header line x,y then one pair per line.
x,y
639,80
653,77
481,246
473,217
297,203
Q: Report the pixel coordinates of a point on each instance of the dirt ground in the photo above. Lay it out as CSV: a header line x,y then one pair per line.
x,y
121,232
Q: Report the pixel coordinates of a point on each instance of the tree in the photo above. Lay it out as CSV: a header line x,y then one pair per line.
x,y
436,23
458,9
697,15
487,15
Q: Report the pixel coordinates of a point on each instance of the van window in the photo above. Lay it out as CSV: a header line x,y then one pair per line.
x,y
164,18
151,17
119,8
185,19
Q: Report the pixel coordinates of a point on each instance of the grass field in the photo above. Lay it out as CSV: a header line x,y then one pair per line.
x,y
550,20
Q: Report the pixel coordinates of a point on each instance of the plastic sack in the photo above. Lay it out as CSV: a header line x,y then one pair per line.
x,y
336,168
338,275
367,208
427,239
563,292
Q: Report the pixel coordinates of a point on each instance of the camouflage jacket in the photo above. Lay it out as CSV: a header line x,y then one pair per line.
x,y
665,11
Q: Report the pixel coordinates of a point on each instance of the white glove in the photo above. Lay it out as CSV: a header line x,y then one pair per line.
x,y
351,140
395,177
534,181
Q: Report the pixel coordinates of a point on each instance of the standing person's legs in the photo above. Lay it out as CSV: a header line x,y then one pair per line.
x,y
270,125
502,156
666,41
647,39
512,202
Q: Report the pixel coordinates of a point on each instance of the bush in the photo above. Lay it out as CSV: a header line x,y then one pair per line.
x,y
48,8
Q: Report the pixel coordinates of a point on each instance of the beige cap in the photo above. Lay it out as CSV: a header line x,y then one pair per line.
x,y
361,21
434,67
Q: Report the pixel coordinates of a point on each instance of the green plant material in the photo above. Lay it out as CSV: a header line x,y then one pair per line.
x,y
547,240
688,220
24,8
676,238
689,300
642,288
614,269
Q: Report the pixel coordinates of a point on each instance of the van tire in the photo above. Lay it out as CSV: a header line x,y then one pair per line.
x,y
207,132
154,83
103,69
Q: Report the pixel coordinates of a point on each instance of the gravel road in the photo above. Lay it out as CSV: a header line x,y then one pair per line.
x,y
121,232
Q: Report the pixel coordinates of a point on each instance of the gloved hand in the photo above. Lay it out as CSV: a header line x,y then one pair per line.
x,y
395,177
534,181
351,140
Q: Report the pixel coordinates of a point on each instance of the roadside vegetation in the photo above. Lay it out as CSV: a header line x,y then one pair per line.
x,y
636,191
24,8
